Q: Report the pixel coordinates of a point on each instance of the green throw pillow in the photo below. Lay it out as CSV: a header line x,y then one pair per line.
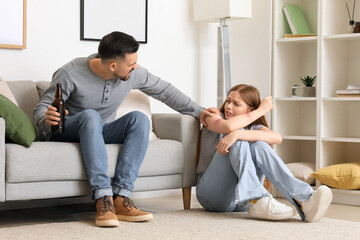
x,y
18,126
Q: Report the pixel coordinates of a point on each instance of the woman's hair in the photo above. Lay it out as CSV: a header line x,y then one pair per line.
x,y
116,45
251,97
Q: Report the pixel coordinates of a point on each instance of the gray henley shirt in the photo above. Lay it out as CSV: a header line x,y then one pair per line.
x,y
82,89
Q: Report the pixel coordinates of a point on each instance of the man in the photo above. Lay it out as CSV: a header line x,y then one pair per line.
x,y
93,89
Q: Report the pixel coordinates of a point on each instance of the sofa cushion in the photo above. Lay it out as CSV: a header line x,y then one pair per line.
x,y
56,161
5,90
18,126
137,101
26,95
61,189
41,86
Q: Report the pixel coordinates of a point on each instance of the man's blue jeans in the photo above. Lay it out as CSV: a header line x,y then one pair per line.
x,y
232,179
131,130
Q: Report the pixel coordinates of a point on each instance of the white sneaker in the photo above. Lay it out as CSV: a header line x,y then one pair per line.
x,y
268,208
316,206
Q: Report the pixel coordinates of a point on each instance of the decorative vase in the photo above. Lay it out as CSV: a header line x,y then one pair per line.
x,y
350,27
305,92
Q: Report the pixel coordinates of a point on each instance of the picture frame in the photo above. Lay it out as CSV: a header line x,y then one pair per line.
x,y
98,18
13,24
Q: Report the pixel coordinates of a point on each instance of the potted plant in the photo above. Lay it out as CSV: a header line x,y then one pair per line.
x,y
308,90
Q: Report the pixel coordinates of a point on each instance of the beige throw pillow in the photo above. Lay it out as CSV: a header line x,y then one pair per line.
x,y
136,101
303,171
5,90
41,86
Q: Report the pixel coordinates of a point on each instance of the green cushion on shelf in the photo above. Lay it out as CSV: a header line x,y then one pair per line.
x,y
18,126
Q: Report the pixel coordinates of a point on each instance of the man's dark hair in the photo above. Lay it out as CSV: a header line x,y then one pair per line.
x,y
116,45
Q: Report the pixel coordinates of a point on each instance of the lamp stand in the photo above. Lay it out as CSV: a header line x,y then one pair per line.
x,y
224,78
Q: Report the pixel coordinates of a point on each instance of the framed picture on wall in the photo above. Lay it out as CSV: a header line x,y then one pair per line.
x,y
13,24
98,18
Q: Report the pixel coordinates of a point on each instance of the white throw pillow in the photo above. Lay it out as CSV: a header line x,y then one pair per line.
x,y
303,171
136,101
5,90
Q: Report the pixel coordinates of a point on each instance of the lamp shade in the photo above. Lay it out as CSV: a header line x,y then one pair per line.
x,y
213,10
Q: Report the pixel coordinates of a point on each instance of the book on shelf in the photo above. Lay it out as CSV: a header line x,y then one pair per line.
x,y
348,93
299,35
296,20
353,86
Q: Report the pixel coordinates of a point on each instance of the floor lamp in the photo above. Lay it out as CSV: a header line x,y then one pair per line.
x,y
221,11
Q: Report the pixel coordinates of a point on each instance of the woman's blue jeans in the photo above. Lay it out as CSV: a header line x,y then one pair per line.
x,y
131,130
232,179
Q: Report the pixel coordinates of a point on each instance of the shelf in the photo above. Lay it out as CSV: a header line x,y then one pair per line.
x,y
339,152
296,99
309,8
340,119
335,18
354,192
296,118
297,40
342,99
341,139
348,36
297,151
291,62
293,137
342,196
340,66
323,129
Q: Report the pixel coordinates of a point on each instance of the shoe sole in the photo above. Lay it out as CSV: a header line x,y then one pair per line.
x,y
141,218
107,223
323,198
266,216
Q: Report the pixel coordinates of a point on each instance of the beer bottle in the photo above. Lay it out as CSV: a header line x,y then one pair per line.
x,y
60,108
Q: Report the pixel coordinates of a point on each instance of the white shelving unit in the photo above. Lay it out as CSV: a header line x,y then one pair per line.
x,y
323,129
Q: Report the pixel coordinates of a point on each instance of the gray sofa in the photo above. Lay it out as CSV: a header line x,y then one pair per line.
x,y
52,170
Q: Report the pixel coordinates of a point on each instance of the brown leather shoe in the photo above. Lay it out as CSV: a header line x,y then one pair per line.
x,y
126,211
105,214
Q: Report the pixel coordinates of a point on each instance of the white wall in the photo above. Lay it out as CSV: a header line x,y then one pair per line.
x,y
178,50
172,51
250,41
250,53
53,39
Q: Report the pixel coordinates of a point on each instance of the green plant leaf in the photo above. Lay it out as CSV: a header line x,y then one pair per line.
x,y
308,81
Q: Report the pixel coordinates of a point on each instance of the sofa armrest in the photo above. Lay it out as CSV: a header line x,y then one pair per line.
x,y
185,129
2,160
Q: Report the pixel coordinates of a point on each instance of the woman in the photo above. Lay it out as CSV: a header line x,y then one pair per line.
x,y
236,156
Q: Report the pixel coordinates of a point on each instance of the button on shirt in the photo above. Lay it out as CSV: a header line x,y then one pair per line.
x,y
107,91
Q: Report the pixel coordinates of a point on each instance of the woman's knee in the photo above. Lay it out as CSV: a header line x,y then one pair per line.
x,y
259,145
239,145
